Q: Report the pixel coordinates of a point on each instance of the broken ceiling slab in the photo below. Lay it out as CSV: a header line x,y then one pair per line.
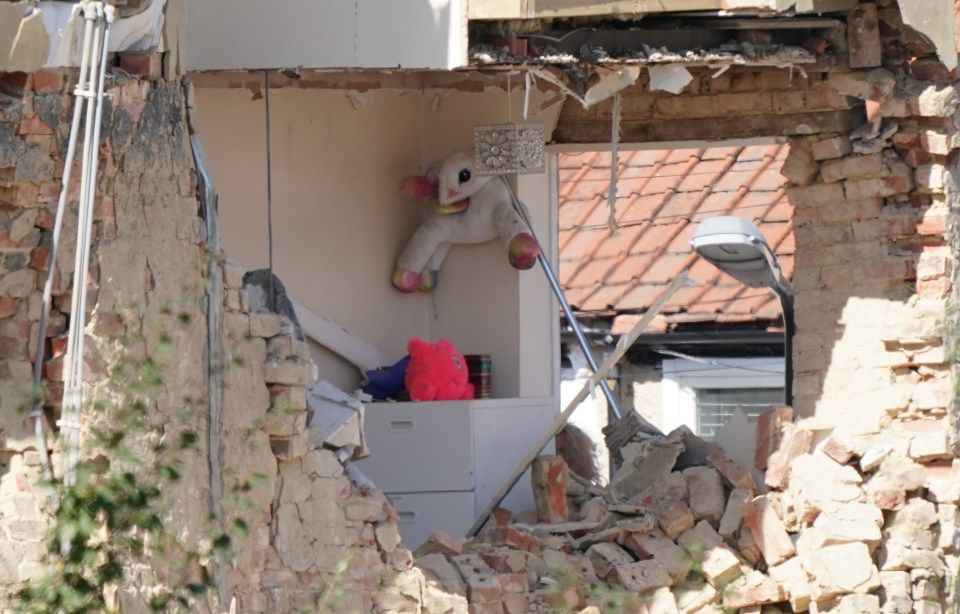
x,y
141,31
742,53
23,38
337,420
526,9
934,19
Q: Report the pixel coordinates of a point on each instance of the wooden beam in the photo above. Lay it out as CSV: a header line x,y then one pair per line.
x,y
714,128
575,8
525,9
825,6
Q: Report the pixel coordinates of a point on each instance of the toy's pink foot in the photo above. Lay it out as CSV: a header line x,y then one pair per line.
x,y
404,280
523,251
428,281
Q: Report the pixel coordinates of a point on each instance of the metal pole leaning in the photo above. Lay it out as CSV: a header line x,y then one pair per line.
x,y
622,346
612,403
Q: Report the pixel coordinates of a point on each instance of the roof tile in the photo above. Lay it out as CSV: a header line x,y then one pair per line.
x,y
662,195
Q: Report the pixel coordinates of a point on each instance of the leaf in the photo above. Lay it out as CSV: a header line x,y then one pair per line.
x,y
240,527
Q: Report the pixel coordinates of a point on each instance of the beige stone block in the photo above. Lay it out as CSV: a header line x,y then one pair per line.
x,y
733,514
816,479
266,324
640,576
285,425
851,522
752,589
365,509
707,498
841,569
694,595
232,273
388,536
718,564
794,579
441,574
480,580
660,601
290,372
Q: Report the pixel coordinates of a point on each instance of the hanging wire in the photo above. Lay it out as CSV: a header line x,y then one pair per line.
x,y
266,104
82,99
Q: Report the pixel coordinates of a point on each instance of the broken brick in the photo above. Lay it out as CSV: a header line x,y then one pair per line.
x,y
549,478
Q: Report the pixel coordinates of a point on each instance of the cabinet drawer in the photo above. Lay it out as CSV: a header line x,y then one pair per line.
x,y
419,447
423,513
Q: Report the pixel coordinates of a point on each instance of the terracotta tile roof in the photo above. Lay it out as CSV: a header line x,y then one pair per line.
x,y
661,197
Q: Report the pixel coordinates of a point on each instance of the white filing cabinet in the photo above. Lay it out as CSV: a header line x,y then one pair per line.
x,y
441,462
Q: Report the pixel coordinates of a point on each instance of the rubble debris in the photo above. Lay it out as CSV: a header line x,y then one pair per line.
x,y
700,539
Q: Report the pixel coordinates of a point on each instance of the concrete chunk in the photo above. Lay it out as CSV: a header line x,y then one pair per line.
x,y
645,463
480,580
605,556
641,576
733,514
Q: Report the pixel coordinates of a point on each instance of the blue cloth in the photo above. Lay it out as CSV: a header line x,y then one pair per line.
x,y
386,382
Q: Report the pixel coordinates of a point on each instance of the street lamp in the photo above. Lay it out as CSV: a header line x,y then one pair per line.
x,y
735,246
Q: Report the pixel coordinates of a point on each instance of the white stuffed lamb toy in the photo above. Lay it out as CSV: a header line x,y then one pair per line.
x,y
472,209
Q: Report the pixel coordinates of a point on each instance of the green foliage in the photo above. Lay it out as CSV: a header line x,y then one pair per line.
x,y
107,527
107,520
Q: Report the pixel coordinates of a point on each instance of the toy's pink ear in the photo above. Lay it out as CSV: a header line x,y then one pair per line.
x,y
416,345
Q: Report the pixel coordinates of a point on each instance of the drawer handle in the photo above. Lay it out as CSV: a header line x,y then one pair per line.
x,y
406,517
401,425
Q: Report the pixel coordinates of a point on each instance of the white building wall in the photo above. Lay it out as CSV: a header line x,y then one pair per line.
x,y
239,34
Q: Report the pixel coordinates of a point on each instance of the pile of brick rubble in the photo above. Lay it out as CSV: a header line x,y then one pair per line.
x,y
682,527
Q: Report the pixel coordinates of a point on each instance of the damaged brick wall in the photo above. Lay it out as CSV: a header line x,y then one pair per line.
x,y
313,533
872,180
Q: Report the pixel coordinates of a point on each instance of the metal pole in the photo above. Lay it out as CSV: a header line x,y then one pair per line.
x,y
612,403
561,420
786,306
581,338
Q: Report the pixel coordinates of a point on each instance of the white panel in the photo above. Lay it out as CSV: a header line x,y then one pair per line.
x,y
539,311
504,432
237,34
416,447
421,514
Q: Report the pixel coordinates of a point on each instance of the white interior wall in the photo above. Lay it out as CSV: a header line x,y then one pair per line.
x,y
339,221
237,34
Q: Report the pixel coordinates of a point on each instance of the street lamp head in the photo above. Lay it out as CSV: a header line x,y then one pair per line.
x,y
735,246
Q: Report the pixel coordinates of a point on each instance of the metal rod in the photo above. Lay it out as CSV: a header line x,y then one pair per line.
x,y
612,404
561,420
786,306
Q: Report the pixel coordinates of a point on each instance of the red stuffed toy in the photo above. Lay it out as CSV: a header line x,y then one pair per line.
x,y
436,372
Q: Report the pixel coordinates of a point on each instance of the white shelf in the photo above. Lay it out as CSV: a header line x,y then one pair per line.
x,y
453,447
